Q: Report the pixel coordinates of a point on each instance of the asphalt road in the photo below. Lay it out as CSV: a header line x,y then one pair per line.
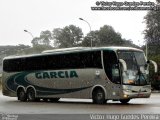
x,y
39,110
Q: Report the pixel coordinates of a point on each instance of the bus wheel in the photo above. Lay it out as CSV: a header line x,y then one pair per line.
x,y
31,96
21,95
54,99
124,101
98,96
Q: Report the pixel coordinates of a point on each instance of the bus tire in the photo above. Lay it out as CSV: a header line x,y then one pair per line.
x,y
21,95
124,101
98,96
31,95
54,99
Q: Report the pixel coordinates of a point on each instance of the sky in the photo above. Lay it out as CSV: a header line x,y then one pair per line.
x,y
40,15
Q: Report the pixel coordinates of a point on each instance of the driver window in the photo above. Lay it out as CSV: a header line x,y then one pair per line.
x,y
111,66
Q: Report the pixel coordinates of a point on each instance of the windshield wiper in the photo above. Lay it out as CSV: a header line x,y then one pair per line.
x,y
139,72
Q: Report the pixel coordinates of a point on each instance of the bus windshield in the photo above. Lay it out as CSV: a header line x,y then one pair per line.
x,y
136,73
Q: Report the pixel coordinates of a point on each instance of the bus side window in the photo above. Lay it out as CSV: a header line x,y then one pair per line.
x,y
111,66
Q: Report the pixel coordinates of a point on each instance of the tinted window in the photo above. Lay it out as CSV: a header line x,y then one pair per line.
x,y
90,59
111,66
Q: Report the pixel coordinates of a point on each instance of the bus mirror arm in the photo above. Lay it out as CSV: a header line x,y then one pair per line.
x,y
154,64
123,64
148,62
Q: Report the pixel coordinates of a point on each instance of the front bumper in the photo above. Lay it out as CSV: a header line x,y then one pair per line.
x,y
129,95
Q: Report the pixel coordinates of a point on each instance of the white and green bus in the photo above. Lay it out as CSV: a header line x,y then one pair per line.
x,y
100,74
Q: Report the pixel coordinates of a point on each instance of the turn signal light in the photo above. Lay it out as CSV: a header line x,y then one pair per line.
x,y
130,81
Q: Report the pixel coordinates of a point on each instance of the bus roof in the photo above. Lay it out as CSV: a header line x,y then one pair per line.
x,y
74,49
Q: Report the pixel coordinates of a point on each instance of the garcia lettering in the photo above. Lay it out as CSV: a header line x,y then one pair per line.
x,y
57,74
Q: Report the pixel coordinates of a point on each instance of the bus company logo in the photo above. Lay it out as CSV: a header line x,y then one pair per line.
x,y
57,74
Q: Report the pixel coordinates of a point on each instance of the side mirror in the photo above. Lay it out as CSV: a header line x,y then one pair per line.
x,y
123,64
148,62
154,64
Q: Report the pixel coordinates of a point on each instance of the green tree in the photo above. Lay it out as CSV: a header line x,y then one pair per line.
x,y
93,35
35,41
41,43
152,37
152,31
38,49
106,36
69,36
128,43
44,39
57,36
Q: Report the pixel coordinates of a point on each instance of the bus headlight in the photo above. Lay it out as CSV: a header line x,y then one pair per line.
x,y
125,96
130,81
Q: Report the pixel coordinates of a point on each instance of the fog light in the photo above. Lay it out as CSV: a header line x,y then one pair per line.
x,y
125,96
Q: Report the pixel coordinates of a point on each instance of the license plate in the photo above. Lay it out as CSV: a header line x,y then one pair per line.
x,y
140,95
